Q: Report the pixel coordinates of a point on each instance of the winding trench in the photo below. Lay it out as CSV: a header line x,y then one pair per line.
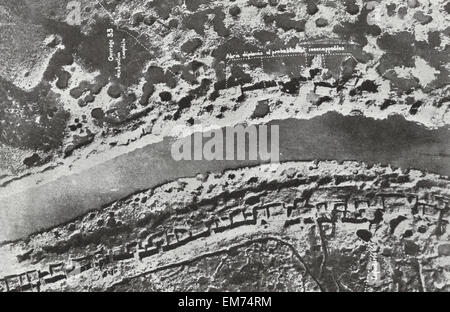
x,y
332,136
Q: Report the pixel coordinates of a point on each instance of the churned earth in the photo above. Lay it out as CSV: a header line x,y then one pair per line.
x,y
78,95
305,226
63,101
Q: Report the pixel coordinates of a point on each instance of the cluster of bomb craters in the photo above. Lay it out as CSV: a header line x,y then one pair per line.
x,y
200,17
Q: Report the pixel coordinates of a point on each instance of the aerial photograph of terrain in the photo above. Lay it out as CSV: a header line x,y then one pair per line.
x,y
224,146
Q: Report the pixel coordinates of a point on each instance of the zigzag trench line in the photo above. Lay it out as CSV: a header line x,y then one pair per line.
x,y
358,211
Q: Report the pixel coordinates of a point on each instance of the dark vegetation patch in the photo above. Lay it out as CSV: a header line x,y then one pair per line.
x,y
415,107
365,235
79,141
149,20
234,10
63,80
434,38
187,72
201,90
387,103
137,19
237,77
173,23
392,44
234,45
314,72
292,86
260,4
265,36
193,5
86,48
34,120
445,99
259,85
357,30
402,11
274,3
121,111
147,91
165,96
367,86
98,113
156,75
32,160
191,45
323,99
348,69
164,7
186,102
114,91
311,7
402,85
261,110
196,21
183,103
391,9
436,58
321,22
422,18
411,248
282,7
219,23
395,222
351,7
285,21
